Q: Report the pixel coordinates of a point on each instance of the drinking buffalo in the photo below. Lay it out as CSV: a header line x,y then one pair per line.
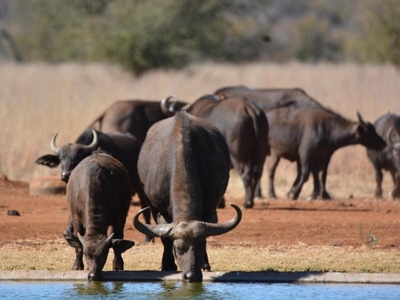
x,y
245,129
309,136
99,196
184,166
123,146
387,126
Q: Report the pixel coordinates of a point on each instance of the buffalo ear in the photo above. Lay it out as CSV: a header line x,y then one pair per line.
x,y
49,160
122,245
360,119
360,129
72,240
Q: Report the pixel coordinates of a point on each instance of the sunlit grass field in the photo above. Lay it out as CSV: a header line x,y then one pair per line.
x,y
39,100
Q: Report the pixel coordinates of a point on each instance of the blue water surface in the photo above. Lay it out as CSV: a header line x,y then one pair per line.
x,y
182,290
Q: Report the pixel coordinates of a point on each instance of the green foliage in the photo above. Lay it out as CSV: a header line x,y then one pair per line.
x,y
381,39
143,35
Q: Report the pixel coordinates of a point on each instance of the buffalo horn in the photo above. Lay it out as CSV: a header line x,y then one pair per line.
x,y
162,231
169,111
93,144
81,239
395,145
108,241
360,119
218,229
53,144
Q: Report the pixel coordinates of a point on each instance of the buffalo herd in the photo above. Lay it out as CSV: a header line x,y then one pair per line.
x,y
177,155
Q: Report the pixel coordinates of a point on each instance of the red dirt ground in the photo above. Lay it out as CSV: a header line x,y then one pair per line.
x,y
285,222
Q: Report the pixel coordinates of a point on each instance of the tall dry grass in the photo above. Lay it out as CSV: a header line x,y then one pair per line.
x,y
39,100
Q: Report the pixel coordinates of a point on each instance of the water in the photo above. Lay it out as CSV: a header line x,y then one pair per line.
x,y
182,290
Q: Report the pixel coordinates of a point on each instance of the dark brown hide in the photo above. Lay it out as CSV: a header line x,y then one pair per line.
x,y
270,98
184,166
133,116
121,145
388,127
245,129
99,196
309,136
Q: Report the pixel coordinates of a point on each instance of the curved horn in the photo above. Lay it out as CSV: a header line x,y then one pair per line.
x,y
389,135
164,106
93,144
109,238
162,231
81,238
186,107
217,229
394,145
53,144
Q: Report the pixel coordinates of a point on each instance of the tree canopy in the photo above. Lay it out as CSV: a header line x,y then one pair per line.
x,y
143,35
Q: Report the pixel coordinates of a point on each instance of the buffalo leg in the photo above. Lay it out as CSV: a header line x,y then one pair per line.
x,y
75,243
118,229
168,260
272,163
296,181
379,178
78,263
396,181
258,174
206,263
324,194
305,173
258,193
317,187
246,173
144,202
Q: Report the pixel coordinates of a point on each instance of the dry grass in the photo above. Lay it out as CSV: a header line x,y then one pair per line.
x,y
38,100
56,255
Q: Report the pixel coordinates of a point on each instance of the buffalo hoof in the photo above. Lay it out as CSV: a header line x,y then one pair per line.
x,y
394,195
149,239
248,205
291,196
78,266
326,196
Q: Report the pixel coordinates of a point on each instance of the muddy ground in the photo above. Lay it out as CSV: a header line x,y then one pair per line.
x,y
338,222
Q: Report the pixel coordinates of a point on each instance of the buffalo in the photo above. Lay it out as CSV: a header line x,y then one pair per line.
x,y
245,129
309,136
99,196
133,116
123,146
184,167
387,126
270,98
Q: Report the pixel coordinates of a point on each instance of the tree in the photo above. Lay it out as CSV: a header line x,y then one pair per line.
x,y
381,32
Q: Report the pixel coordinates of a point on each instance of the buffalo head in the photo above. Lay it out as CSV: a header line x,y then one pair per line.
x,y
367,135
95,249
189,240
393,148
69,155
